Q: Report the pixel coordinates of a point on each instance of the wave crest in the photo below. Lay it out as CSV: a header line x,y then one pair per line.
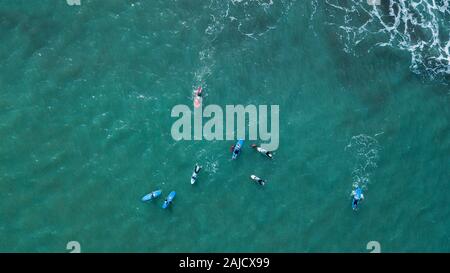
x,y
419,27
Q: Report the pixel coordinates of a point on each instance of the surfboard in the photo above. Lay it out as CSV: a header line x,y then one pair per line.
x,y
169,199
237,149
151,195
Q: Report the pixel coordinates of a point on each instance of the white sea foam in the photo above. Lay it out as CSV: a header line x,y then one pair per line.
x,y
212,166
419,27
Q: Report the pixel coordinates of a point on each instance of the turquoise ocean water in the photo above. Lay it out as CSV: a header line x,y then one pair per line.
x,y
85,98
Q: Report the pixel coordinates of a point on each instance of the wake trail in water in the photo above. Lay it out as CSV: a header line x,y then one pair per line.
x,y
250,18
364,151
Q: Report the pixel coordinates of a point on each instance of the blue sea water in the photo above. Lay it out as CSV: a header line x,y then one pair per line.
x,y
86,94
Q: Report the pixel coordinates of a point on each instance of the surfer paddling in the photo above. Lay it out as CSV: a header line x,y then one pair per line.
x,y
198,97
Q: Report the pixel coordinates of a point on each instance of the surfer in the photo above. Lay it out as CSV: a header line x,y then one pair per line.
x,y
197,169
258,180
262,150
169,199
357,196
236,149
198,97
151,195
198,92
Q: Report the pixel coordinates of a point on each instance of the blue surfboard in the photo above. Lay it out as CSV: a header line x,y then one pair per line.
x,y
168,199
151,195
237,149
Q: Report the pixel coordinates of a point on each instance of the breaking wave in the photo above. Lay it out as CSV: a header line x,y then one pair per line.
x,y
418,27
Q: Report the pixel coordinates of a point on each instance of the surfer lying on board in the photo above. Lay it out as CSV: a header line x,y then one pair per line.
x,y
257,179
234,146
357,196
262,150
197,169
198,97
